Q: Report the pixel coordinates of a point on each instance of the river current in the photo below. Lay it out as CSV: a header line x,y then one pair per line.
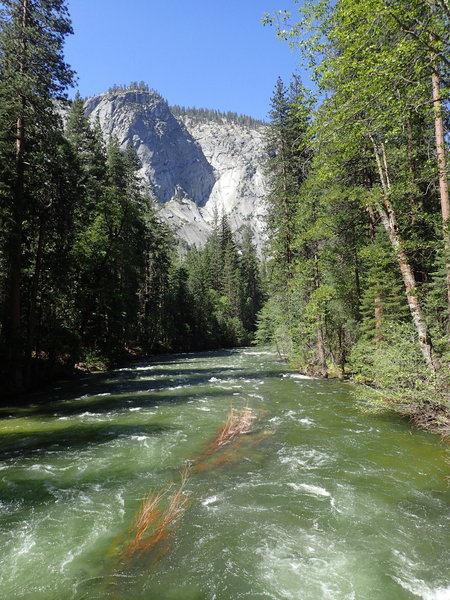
x,y
322,499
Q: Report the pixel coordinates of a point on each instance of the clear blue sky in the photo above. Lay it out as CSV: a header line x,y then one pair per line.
x,y
203,53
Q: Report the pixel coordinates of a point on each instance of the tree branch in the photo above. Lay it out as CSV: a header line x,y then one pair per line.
x,y
416,36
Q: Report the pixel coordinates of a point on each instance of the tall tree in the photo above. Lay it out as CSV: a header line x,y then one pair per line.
x,y
375,75
287,167
33,75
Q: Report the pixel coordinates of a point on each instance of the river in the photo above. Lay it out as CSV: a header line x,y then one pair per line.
x,y
320,499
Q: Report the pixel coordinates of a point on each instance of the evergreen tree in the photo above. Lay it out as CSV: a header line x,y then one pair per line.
x,y
382,302
33,75
252,294
287,168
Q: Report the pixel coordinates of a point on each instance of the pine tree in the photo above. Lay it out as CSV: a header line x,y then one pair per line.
x,y
382,302
252,295
33,75
287,168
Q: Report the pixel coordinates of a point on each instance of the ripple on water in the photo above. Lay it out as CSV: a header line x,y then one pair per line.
x,y
299,459
313,514
407,568
304,565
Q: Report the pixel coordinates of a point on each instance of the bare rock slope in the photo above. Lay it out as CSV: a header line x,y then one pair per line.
x,y
196,167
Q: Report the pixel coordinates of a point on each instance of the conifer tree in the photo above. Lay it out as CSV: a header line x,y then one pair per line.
x,y
33,75
287,168
252,294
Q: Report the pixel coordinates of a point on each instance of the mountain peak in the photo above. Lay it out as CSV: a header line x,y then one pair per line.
x,y
196,162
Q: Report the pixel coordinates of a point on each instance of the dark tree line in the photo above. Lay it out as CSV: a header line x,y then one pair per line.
x,y
208,114
88,274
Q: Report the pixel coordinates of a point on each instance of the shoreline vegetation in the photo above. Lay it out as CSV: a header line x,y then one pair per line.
x,y
431,416
359,207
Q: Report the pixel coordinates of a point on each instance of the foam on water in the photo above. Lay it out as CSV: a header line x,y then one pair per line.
x,y
306,458
209,501
262,521
25,543
137,368
304,566
422,590
315,490
296,376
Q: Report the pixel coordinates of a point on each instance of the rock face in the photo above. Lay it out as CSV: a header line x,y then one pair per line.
x,y
195,167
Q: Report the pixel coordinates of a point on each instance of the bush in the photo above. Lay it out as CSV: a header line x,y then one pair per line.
x,y
396,371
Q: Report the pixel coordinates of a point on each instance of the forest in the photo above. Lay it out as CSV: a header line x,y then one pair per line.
x,y
356,279
200,114
359,205
89,277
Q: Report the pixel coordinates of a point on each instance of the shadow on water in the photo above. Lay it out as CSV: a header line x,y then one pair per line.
x,y
181,356
70,438
131,368
116,402
122,389
34,486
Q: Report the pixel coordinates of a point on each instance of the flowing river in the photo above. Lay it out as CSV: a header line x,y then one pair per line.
x,y
321,499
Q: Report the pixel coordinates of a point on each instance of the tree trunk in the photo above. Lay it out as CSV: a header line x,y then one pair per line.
x,y
321,349
32,316
321,354
389,220
15,340
443,177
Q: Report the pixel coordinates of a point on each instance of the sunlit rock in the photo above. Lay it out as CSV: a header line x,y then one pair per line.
x,y
196,168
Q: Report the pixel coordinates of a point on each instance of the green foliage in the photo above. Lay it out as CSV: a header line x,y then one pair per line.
x,y
356,233
224,276
201,115
383,301
36,197
272,328
134,86
395,372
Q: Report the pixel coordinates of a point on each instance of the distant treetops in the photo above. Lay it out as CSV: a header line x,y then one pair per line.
x,y
197,114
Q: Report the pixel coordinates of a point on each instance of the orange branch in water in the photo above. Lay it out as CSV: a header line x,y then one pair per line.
x,y
155,523
156,519
238,423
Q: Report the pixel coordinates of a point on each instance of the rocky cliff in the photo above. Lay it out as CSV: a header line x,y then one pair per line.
x,y
195,166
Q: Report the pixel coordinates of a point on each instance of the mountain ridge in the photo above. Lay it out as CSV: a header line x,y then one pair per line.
x,y
198,163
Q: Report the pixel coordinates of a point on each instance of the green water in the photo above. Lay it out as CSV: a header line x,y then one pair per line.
x,y
320,501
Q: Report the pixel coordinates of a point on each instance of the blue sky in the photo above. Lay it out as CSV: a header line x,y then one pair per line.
x,y
203,53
